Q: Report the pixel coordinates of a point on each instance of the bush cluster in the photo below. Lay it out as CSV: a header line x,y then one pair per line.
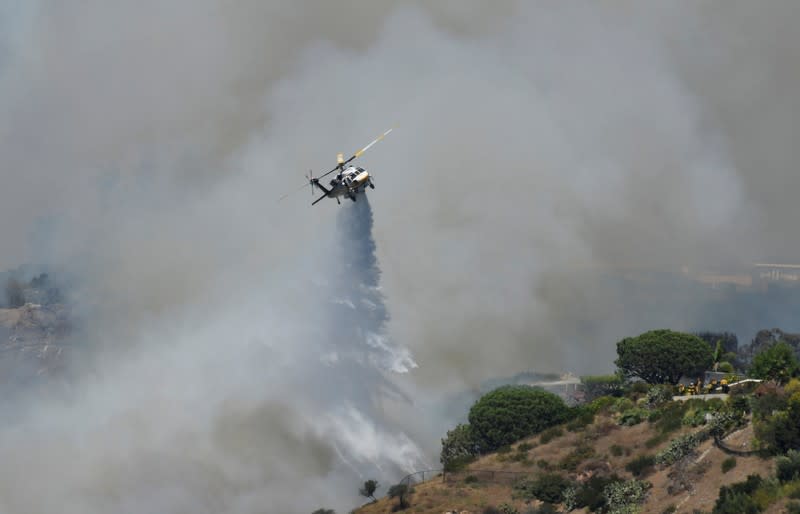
x,y
658,395
625,496
738,498
570,461
680,447
589,494
633,416
641,465
547,487
551,433
728,464
787,467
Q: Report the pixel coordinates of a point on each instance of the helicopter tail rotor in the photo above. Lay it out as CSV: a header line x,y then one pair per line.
x,y
312,182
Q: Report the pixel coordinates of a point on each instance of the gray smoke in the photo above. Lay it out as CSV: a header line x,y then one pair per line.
x,y
541,147
284,419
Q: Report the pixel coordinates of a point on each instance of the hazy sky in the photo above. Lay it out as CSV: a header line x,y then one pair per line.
x,y
144,146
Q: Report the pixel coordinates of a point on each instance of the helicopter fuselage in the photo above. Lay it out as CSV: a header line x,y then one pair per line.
x,y
348,183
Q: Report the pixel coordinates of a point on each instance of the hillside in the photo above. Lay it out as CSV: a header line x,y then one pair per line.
x,y
34,327
600,449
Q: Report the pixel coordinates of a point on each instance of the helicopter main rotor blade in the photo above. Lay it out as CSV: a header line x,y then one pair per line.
x,y
358,153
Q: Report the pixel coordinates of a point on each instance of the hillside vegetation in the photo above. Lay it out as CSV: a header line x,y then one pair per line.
x,y
630,446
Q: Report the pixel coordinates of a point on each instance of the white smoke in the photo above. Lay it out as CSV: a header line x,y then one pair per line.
x,y
538,146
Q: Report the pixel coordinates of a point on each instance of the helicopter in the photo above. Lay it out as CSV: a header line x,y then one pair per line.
x,y
348,182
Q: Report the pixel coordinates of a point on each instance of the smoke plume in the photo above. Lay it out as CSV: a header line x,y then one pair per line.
x,y
549,160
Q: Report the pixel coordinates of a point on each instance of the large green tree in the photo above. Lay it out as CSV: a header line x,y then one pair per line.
x,y
663,356
510,413
776,362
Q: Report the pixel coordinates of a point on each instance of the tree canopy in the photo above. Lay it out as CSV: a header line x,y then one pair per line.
x,y
510,413
777,362
663,356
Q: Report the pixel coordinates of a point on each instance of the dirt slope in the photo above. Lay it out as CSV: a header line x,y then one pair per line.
x,y
613,446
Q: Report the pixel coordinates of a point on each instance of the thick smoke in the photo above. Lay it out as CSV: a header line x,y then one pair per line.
x,y
540,148
279,407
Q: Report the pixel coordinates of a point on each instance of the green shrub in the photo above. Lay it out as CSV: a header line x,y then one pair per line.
x,y
792,387
780,432
547,487
544,465
622,404
590,493
616,450
519,457
738,498
401,492
581,417
694,418
511,413
601,404
641,465
739,403
778,363
728,464
671,418
570,461
715,404
550,434
793,508
680,447
725,367
672,509
504,449
459,448
787,467
656,440
620,496
506,508
724,421
659,394
471,479
633,416
525,447
638,388
768,399
569,497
